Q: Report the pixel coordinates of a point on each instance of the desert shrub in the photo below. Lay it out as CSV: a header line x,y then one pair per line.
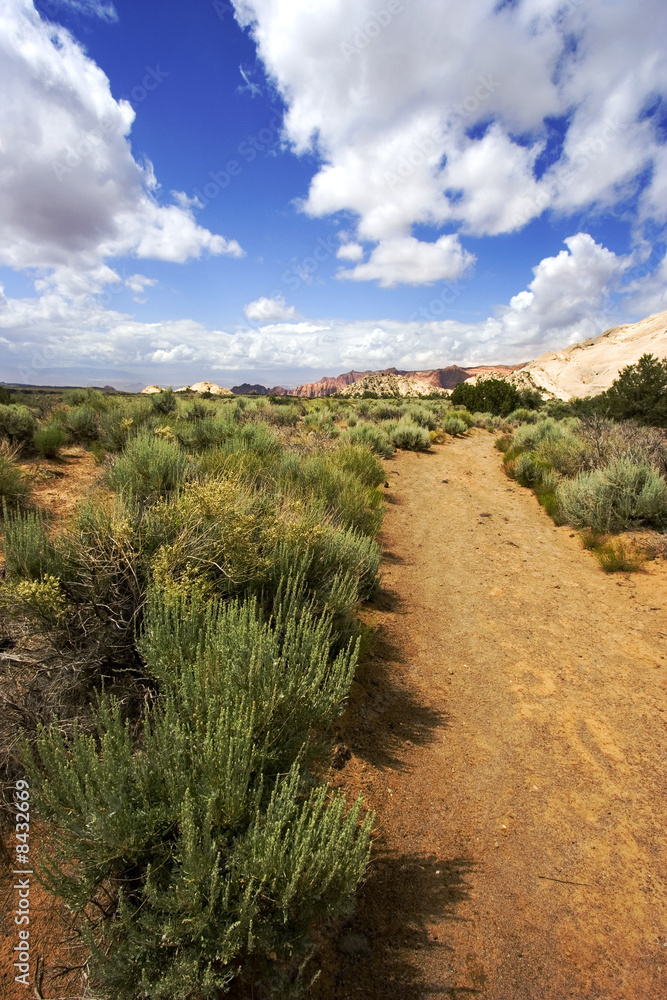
x,y
207,432
49,440
220,868
569,454
339,566
523,416
164,402
282,665
5,396
615,556
149,467
491,395
608,440
285,415
530,470
82,423
422,416
638,393
14,485
333,492
387,411
372,437
410,437
255,437
17,423
504,442
454,425
199,411
29,554
618,497
360,461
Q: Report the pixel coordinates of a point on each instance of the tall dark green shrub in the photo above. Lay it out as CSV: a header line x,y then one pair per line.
x,y
639,393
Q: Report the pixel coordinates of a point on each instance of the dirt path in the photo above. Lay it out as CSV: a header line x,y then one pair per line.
x,y
511,733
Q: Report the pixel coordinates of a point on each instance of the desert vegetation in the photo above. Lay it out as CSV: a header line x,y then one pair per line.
x,y
600,472
175,656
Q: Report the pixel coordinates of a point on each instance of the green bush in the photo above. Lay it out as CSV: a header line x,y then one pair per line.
x,y
204,867
149,468
410,437
490,395
82,424
370,436
14,485
49,440
455,426
530,470
621,496
17,423
164,402
639,393
361,462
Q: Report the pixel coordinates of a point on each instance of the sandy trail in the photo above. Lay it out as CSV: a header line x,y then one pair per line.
x,y
511,733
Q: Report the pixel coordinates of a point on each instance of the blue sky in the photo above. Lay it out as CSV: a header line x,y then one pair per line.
x,y
270,190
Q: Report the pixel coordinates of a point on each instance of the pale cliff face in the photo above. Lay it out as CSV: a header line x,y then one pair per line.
x,y
590,367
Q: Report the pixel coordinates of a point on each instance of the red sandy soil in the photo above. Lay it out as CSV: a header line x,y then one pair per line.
x,y
511,735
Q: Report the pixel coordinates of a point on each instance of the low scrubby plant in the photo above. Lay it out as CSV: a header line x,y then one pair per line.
x,y
454,426
372,437
17,423
618,497
82,424
204,861
410,436
150,467
14,485
49,440
164,402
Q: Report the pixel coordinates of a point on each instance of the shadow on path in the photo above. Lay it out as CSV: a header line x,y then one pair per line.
x,y
401,897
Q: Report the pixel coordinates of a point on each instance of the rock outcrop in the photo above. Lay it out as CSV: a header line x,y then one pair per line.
x,y
392,384
590,367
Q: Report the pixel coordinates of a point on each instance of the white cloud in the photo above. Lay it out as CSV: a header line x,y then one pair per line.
x,y
103,9
73,195
424,112
567,301
350,251
568,297
406,260
264,310
137,283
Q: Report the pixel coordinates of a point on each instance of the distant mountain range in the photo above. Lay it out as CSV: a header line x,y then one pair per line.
x,y
440,378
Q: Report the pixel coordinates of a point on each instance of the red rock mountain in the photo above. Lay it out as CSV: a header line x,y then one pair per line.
x,y
442,378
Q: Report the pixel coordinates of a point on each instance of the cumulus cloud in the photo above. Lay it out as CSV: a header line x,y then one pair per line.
x,y
567,300
350,251
265,310
104,9
479,115
74,196
406,260
137,283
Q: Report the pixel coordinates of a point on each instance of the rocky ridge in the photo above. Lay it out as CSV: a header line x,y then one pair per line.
x,y
589,367
391,384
